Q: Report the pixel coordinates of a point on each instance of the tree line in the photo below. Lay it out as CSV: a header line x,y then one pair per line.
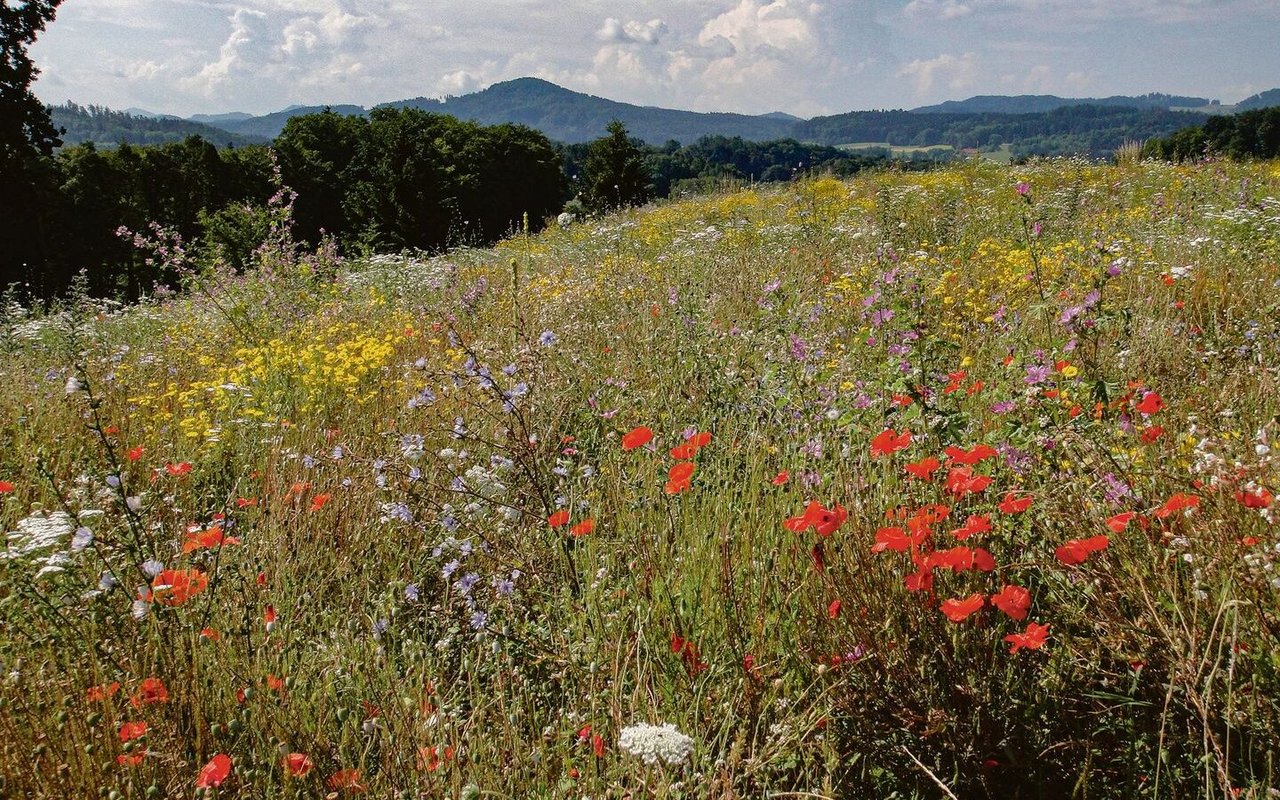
x,y
1249,134
396,179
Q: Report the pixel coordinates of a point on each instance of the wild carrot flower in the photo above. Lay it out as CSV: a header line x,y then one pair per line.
x,y
655,743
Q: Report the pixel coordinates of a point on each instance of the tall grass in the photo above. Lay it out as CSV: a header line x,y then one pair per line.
x,y
307,518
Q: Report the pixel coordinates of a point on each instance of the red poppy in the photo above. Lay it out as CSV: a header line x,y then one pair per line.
x,y
1014,504
6,487
833,610
1152,433
1151,403
558,519
348,779
676,487
954,379
296,765
246,502
1014,601
887,442
151,690
824,521
919,581
1255,498
597,746
319,500
684,451
135,453
178,470
1077,551
583,528
973,457
210,634
275,683
961,481
923,469
680,472
957,559
973,525
100,694
132,730
1176,503
215,772
780,478
895,539
638,437
982,560
173,587
958,610
1120,521
1033,639
131,759
207,539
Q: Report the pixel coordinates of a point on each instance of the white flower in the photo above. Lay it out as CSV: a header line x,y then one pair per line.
x,y
37,532
654,743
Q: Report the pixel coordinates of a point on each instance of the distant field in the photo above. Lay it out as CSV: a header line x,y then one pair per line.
x,y
897,150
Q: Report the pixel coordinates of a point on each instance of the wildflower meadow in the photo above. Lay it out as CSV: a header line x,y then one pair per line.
x,y
947,484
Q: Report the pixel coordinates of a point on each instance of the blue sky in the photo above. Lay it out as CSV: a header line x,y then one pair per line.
x,y
753,56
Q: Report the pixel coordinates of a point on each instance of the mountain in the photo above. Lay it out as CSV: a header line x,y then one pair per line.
x,y
571,117
1040,103
1092,130
1266,99
104,126
218,119
269,126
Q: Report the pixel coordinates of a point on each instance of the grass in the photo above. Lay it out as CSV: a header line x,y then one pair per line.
x,y
316,502
898,150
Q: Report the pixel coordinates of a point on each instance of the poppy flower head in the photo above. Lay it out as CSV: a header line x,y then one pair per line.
x,y
559,519
1013,503
958,610
637,437
173,587
1119,522
888,442
924,468
1033,638
1014,601
583,528
1077,551
132,730
6,487
961,481
215,772
1151,403
297,765
151,690
781,478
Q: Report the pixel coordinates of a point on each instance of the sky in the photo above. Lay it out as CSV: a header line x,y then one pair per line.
x,y
751,56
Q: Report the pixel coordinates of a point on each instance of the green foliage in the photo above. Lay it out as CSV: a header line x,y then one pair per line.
x,y
1249,134
615,175
27,138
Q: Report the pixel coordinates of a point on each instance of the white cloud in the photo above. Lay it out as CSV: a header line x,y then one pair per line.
x,y
937,9
955,72
614,30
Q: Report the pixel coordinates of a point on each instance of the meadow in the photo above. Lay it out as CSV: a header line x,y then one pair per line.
x,y
944,484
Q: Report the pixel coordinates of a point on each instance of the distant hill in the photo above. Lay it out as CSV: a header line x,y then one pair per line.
x,y
1089,130
218,119
572,117
1266,99
1040,103
269,126
104,126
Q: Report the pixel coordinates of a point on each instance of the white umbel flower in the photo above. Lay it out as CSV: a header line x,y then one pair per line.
x,y
654,743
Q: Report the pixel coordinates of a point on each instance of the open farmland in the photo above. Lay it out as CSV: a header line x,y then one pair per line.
x,y
947,484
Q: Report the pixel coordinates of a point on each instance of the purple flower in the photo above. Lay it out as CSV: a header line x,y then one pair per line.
x,y
450,568
799,349
1036,373
478,620
1003,407
1023,188
547,338
411,593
